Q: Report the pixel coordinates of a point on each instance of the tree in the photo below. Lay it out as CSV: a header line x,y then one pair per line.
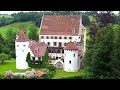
x,y
28,59
100,61
105,17
115,63
33,33
44,63
3,57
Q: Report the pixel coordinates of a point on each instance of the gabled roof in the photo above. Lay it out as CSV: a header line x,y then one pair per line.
x,y
38,49
71,46
60,25
21,37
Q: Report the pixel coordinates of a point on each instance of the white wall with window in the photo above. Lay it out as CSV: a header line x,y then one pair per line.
x,y
58,39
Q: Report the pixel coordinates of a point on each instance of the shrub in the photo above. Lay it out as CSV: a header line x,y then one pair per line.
x,y
1,76
51,68
8,74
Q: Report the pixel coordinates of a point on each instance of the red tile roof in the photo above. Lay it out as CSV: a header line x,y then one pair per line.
x,y
38,74
38,49
60,25
21,37
71,46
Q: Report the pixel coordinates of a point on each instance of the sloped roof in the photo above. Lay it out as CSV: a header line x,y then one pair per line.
x,y
71,46
21,37
60,25
38,49
38,73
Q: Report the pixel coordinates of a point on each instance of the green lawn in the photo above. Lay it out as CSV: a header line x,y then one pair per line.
x,y
16,27
9,66
5,16
62,74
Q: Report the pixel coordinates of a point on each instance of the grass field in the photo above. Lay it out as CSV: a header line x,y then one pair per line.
x,y
5,16
16,27
62,74
10,65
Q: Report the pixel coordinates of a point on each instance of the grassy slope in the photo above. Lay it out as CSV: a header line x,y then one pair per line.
x,y
6,66
16,27
62,74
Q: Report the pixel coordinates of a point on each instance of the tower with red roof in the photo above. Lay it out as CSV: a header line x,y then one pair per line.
x,y
22,49
71,58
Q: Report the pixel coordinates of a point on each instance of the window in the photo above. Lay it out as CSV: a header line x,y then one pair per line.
x,y
70,37
47,37
55,37
56,57
49,51
54,43
65,37
51,37
60,44
33,58
22,50
58,51
42,37
74,55
62,51
69,62
60,37
17,45
48,43
39,58
24,45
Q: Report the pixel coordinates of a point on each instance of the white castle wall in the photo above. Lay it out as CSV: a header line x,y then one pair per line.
x,y
22,50
69,56
74,38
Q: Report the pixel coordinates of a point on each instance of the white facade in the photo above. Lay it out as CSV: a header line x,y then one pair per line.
x,y
60,39
22,49
71,61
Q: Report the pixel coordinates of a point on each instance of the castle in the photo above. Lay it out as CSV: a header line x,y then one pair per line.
x,y
62,35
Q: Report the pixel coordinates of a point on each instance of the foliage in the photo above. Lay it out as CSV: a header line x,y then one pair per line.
x,y
28,59
51,68
115,63
33,33
99,60
3,57
44,63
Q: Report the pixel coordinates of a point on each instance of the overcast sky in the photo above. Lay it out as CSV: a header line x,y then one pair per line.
x,y
10,12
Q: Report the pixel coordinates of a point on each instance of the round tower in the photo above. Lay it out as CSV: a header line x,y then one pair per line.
x,y
22,49
71,61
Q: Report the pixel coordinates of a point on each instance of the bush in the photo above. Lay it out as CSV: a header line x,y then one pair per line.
x,y
1,76
51,68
